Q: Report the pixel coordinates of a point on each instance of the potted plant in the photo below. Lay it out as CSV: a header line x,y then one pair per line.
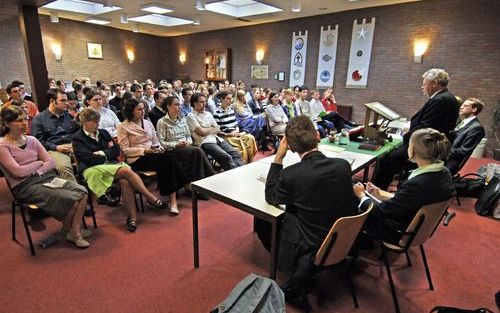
x,y
496,130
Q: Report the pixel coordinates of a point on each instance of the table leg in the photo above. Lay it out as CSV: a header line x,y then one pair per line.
x,y
196,248
274,248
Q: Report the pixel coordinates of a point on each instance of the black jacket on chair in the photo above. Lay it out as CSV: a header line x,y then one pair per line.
x,y
316,191
398,212
466,140
84,148
439,112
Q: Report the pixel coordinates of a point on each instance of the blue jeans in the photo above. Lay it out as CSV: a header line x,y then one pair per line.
x,y
224,154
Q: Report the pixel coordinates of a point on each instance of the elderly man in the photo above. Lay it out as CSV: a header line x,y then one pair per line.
x,y
439,112
54,128
468,134
316,191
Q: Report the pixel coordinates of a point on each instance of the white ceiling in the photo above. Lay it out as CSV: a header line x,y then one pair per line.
x,y
212,21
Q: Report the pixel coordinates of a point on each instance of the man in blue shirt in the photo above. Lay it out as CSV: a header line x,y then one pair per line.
x,y
186,96
54,128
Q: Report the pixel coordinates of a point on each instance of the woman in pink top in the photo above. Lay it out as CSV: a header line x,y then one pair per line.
x,y
27,167
138,141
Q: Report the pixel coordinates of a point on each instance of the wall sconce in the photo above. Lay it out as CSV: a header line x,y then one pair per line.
x,y
207,60
182,58
54,17
420,46
57,50
130,56
259,56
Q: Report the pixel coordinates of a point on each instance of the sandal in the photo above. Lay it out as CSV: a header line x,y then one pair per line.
x,y
131,224
158,204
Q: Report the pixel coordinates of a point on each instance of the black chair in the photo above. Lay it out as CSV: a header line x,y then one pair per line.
x,y
418,232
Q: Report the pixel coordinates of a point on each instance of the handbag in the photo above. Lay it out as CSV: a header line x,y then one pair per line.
x,y
488,199
470,185
449,309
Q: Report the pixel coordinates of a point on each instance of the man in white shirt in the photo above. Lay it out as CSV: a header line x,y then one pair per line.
x,y
204,130
149,96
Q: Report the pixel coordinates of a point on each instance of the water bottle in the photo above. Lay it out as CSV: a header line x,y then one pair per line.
x,y
49,241
344,137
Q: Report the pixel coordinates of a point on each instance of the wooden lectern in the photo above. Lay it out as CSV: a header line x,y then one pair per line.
x,y
373,133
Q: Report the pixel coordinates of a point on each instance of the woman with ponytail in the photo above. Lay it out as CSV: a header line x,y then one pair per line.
x,y
431,182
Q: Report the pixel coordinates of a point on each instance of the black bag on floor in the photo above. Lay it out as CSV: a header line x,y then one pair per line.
x,y
488,199
470,185
254,294
448,309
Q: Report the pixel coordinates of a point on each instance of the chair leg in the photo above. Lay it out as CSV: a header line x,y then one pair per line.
x,y
408,261
13,221
28,234
84,223
391,283
427,271
92,211
458,200
351,284
141,201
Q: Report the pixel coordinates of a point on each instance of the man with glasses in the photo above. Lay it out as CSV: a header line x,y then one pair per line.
x,y
54,128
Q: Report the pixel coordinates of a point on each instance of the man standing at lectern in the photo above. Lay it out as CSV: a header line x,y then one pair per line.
x,y
439,112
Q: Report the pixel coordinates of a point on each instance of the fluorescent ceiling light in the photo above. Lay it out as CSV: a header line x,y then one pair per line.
x,y
196,22
241,8
54,17
200,5
98,20
123,18
296,5
80,6
156,8
161,20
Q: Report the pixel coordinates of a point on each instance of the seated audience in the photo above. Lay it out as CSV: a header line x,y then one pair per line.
x,y
316,191
255,125
290,106
108,119
138,141
73,106
54,128
186,108
174,136
255,102
204,130
27,166
211,106
97,157
158,111
24,106
15,92
117,101
276,115
467,134
430,183
229,130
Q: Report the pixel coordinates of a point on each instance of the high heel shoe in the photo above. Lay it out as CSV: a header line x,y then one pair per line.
x,y
158,204
131,224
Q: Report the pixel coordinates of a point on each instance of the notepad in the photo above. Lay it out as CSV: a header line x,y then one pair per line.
x,y
56,183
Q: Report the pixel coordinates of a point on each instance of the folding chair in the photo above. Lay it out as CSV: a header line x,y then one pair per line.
x,y
418,232
338,242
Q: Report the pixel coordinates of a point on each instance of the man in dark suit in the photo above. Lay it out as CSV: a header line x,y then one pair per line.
x,y
440,112
316,191
468,134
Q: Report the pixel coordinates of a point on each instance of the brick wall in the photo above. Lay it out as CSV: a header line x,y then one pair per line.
x,y
73,37
464,40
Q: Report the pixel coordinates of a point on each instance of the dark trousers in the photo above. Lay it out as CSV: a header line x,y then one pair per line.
x,y
170,174
390,165
194,162
224,154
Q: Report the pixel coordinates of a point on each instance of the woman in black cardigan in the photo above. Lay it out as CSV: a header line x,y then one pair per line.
x,y
430,183
98,163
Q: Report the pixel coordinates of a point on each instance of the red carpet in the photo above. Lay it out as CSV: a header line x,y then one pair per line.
x,y
152,270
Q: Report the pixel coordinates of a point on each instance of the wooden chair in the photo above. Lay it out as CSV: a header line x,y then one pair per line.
x,y
146,176
418,232
338,242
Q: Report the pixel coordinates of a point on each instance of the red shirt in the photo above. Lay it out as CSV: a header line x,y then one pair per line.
x,y
329,105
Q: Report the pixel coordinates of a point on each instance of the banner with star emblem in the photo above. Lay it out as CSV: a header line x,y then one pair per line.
x,y
327,56
359,57
298,60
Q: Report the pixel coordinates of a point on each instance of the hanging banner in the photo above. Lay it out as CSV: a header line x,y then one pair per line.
x,y
327,56
298,60
359,57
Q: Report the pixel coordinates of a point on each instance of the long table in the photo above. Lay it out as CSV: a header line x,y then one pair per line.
x,y
242,189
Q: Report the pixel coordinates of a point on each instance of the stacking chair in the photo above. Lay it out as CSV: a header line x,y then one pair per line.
x,y
146,177
338,242
275,139
418,232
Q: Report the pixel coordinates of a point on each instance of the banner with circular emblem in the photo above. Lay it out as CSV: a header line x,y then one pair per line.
x,y
359,57
327,56
298,61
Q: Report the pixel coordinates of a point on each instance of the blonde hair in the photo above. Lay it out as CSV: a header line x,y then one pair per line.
x,y
430,144
240,101
87,115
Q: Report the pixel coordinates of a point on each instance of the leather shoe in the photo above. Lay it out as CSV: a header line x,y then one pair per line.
x,y
106,199
78,241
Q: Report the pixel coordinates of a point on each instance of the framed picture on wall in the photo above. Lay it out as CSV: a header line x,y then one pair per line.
x,y
259,71
94,50
281,76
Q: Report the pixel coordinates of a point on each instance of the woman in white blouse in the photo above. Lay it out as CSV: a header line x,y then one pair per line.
x,y
109,120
